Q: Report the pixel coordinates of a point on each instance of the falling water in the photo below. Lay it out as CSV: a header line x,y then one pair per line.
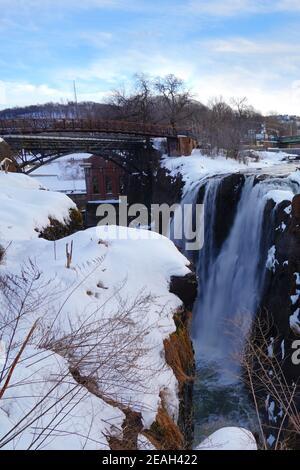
x,y
230,286
231,281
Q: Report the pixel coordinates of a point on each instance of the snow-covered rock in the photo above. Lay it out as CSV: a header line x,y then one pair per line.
x,y
25,207
295,322
230,438
199,166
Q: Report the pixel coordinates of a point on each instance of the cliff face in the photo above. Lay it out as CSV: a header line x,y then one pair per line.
x,y
282,282
280,302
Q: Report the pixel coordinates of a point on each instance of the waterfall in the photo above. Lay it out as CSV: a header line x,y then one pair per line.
x,y
231,275
230,282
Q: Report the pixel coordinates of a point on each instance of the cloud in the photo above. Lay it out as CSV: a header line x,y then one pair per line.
x,y
228,8
121,66
240,45
97,39
23,93
241,83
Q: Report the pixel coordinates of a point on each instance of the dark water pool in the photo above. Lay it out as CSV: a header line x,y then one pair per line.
x,y
219,403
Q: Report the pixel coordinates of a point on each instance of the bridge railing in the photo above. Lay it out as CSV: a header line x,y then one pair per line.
x,y
41,125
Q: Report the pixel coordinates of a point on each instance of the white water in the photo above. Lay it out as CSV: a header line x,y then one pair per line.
x,y
231,283
230,287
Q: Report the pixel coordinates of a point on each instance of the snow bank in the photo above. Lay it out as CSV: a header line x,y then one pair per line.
x,y
229,439
113,270
25,207
111,267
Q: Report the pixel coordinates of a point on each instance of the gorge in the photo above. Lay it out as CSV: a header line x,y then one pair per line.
x,y
247,271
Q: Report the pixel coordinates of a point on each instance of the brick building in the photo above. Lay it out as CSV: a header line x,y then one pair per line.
x,y
104,179
104,183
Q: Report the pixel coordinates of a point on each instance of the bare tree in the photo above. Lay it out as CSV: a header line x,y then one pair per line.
x,y
175,98
275,397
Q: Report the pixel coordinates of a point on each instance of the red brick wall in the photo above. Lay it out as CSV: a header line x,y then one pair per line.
x,y
103,179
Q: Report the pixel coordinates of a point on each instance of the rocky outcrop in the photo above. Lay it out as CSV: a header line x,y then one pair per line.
x,y
167,188
228,197
280,300
57,230
185,288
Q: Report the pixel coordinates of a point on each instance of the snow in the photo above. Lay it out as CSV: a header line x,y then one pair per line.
x,y
229,438
41,381
295,322
281,227
145,261
279,195
112,269
199,166
271,260
282,346
65,174
295,177
25,207
271,348
294,298
270,407
111,266
271,440
288,210
144,443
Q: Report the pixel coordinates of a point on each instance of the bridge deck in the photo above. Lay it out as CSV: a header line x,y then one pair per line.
x,y
87,126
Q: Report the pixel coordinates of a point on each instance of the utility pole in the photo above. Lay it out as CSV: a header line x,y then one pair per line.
x,y
75,98
75,92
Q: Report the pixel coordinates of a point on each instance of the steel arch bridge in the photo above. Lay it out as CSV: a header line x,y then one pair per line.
x,y
38,141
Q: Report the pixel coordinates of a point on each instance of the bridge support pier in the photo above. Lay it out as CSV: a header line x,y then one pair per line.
x,y
181,146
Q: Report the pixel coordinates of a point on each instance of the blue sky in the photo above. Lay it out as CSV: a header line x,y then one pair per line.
x,y
220,47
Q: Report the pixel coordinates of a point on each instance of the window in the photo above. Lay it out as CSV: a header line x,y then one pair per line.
x,y
95,185
108,185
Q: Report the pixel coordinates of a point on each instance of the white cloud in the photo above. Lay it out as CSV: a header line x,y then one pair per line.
x,y
240,45
238,83
230,7
23,93
240,7
120,67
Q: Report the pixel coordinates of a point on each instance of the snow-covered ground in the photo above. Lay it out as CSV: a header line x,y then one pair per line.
x,y
64,175
44,408
199,166
107,316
